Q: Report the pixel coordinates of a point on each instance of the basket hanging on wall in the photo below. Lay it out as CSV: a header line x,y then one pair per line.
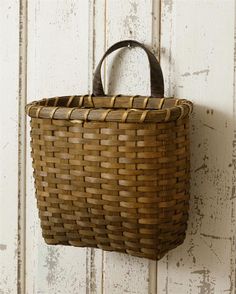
x,y
112,172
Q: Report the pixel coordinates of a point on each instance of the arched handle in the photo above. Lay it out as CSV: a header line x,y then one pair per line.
x,y
156,76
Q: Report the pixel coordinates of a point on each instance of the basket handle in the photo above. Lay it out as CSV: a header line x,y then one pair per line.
x,y
156,76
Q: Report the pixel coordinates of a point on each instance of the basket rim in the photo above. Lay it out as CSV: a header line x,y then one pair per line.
x,y
118,108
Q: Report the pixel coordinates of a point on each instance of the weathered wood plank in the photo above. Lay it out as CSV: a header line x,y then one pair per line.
x,y
127,72
97,11
58,64
9,60
197,57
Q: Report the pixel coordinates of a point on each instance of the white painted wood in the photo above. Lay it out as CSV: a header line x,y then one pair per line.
x,y
9,67
197,40
97,15
127,72
58,64
66,41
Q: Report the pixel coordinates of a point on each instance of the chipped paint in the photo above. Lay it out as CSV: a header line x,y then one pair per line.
x,y
204,71
186,74
203,264
196,73
3,247
205,286
168,4
60,269
51,264
131,18
93,273
186,269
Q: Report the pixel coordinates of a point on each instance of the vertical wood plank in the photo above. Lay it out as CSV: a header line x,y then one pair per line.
x,y
97,11
127,72
58,62
9,60
99,45
197,57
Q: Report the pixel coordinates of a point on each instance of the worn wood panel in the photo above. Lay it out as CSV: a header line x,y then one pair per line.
x,y
97,16
197,40
9,61
66,40
58,64
127,72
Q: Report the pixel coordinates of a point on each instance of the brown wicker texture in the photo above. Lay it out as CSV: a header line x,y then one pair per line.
x,y
112,172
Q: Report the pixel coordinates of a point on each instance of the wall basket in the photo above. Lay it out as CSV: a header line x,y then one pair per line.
x,y
112,172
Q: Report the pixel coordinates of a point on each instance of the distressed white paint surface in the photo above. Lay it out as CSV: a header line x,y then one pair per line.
x,y
9,67
97,15
66,39
58,60
198,58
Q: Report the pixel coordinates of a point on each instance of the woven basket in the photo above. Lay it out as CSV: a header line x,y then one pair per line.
x,y
112,172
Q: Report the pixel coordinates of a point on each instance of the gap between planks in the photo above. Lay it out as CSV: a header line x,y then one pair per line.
x,y
233,216
22,146
91,273
156,45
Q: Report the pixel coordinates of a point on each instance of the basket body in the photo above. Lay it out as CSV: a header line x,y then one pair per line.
x,y
117,186
112,172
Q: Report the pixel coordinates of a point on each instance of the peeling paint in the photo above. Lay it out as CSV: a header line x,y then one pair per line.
x,y
3,247
204,71
186,74
196,73
52,260
206,264
134,5
206,286
168,5
128,23
93,273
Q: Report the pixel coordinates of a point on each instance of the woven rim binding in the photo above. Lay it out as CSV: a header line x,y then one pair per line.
x,y
136,109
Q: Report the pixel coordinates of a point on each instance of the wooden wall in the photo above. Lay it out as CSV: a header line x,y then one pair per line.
x,y
50,48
